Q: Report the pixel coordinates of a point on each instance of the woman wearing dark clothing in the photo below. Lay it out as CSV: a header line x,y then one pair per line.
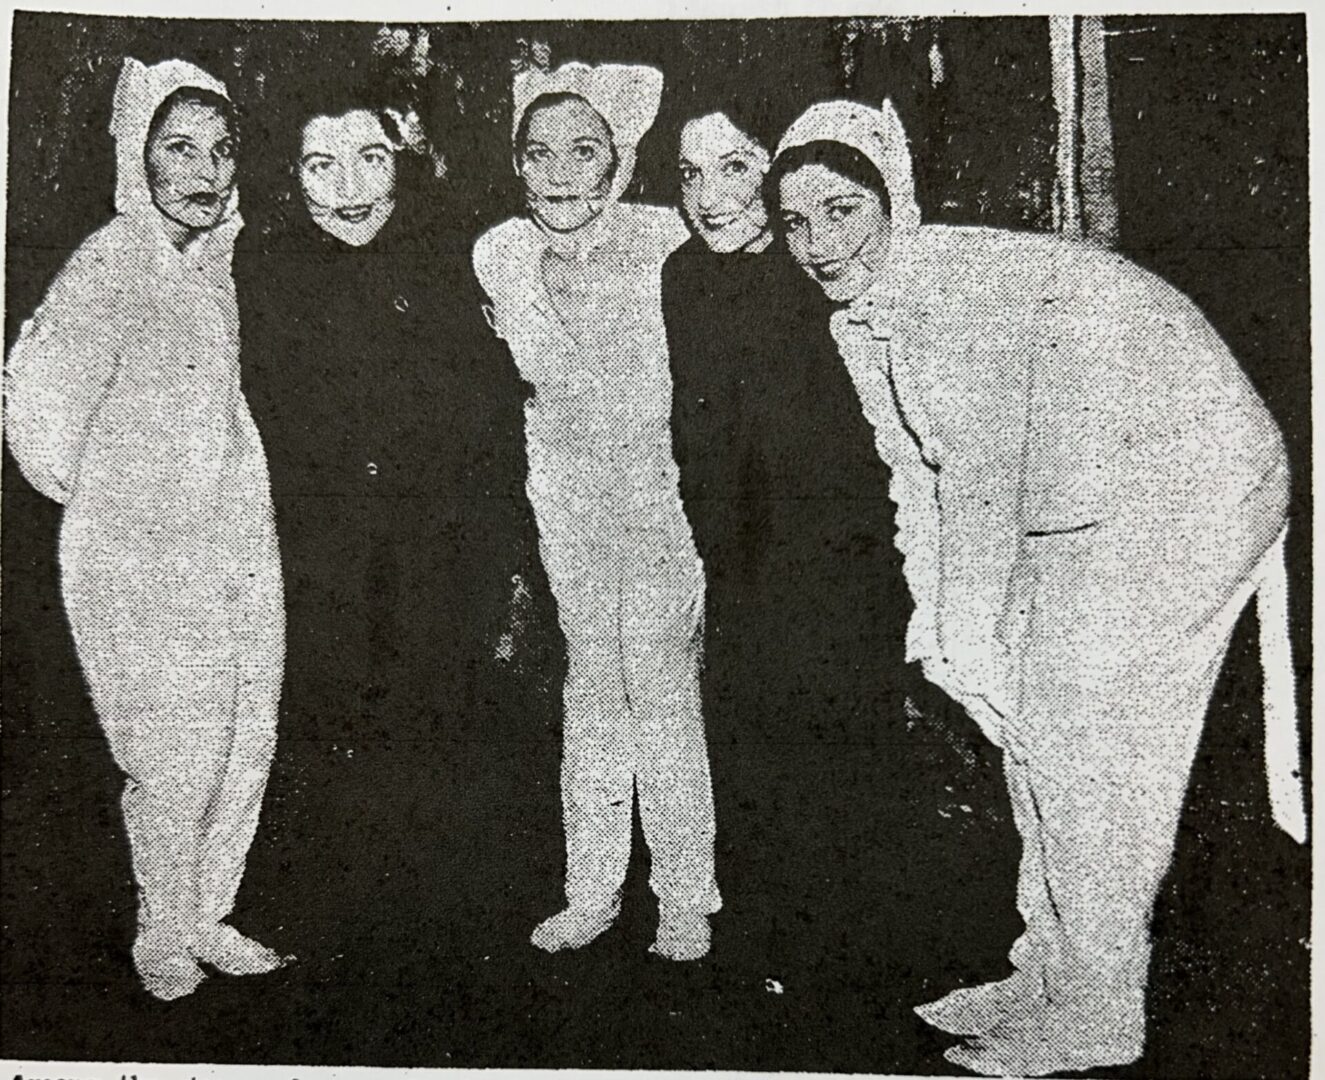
x,y
804,682
394,427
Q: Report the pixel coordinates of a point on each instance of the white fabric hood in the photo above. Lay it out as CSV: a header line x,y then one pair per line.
x,y
876,133
139,93
626,96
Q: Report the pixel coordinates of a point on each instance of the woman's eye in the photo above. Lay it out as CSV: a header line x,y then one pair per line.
x,y
225,149
837,213
536,153
736,168
318,167
585,152
688,174
375,157
793,222
180,146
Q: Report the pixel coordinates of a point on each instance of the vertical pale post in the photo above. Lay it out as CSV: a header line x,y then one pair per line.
x,y
1085,204
1096,167
1067,189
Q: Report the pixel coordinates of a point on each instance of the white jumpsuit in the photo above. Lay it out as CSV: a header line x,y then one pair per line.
x,y
122,402
1089,493
617,548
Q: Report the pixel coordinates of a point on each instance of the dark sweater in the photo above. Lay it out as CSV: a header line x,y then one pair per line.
x,y
393,424
788,501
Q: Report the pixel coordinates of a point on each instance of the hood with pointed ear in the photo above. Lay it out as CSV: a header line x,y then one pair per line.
x,y
626,96
141,90
876,133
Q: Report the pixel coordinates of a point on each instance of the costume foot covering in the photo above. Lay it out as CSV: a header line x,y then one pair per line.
x,y
229,951
164,964
683,934
573,928
975,1009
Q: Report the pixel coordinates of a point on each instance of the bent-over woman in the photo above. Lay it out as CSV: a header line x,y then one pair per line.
x,y
1089,492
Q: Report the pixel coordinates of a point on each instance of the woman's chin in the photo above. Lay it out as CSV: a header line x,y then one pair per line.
x,y
725,241
841,290
194,217
354,233
565,217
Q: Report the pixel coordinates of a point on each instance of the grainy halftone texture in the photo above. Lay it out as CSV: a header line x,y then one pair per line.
x,y
617,549
1078,557
585,328
123,402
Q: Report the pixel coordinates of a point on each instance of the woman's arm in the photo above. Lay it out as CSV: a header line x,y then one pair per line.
x,y
982,421
58,373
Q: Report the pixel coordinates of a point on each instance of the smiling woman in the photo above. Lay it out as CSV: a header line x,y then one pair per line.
x,y
805,602
722,174
347,171
393,422
836,215
1078,554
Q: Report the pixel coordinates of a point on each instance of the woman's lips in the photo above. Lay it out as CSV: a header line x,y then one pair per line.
x,y
828,271
716,221
203,198
353,214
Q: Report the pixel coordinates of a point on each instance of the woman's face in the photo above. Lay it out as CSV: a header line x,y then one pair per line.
x,y
347,170
191,165
722,176
836,230
566,164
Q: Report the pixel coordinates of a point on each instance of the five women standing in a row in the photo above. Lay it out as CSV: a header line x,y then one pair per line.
x,y
1075,553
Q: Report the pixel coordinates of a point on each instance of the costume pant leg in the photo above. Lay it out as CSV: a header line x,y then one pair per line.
x,y
253,622
1033,902
597,769
662,638
232,820
1119,664
170,731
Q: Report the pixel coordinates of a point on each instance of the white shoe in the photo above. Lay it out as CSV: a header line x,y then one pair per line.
x,y
230,952
973,1010
683,934
572,928
1051,1039
165,966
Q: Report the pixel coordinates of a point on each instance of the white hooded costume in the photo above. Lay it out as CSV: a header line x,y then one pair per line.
x,y
123,403
613,535
1089,491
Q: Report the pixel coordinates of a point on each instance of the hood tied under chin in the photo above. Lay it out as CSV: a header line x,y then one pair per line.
x,y
139,93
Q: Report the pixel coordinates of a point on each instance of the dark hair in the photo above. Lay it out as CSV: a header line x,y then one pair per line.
x,y
757,119
548,101
837,157
335,100
192,95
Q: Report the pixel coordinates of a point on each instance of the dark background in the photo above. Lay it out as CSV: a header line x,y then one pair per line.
x,y
1210,130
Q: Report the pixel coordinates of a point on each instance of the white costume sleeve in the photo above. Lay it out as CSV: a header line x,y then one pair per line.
x,y
59,371
982,433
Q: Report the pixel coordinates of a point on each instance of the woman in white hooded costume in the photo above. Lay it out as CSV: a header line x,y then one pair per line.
x,y
1089,492
122,402
575,289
